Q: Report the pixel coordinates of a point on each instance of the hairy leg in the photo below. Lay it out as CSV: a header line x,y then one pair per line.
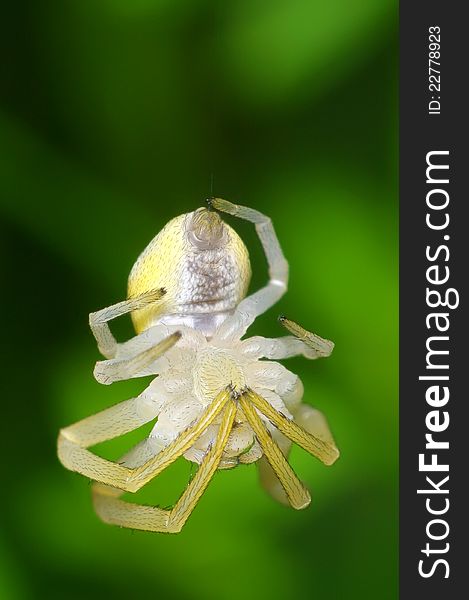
x,y
310,419
298,496
148,518
267,477
270,375
186,504
183,442
99,320
115,421
109,371
314,422
278,348
326,451
262,300
318,346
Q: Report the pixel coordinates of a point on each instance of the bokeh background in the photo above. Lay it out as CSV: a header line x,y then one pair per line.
x,y
116,116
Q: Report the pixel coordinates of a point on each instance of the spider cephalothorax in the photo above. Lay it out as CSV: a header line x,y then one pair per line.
x,y
218,399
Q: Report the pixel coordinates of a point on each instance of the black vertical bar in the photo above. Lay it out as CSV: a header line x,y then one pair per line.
x,y
421,133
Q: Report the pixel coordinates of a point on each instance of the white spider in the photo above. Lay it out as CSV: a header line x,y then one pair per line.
x,y
216,402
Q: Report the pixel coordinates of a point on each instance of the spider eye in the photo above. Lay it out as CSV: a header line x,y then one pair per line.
x,y
206,230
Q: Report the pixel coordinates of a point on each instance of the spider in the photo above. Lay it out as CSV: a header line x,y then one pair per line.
x,y
216,401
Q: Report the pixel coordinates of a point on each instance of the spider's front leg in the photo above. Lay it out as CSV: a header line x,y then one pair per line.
x,y
149,518
297,494
323,449
313,422
99,320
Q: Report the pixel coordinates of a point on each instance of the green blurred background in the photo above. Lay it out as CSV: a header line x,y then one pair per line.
x,y
117,115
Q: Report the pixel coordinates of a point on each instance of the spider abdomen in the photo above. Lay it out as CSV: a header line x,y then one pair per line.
x,y
200,261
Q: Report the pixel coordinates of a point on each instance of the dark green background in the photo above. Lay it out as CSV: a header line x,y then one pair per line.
x,y
116,115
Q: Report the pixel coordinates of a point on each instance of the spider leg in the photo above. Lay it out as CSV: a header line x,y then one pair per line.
x,y
297,494
278,266
109,371
318,345
114,511
314,422
115,421
106,498
143,474
118,512
267,477
186,504
140,453
271,375
107,344
262,300
278,348
323,449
